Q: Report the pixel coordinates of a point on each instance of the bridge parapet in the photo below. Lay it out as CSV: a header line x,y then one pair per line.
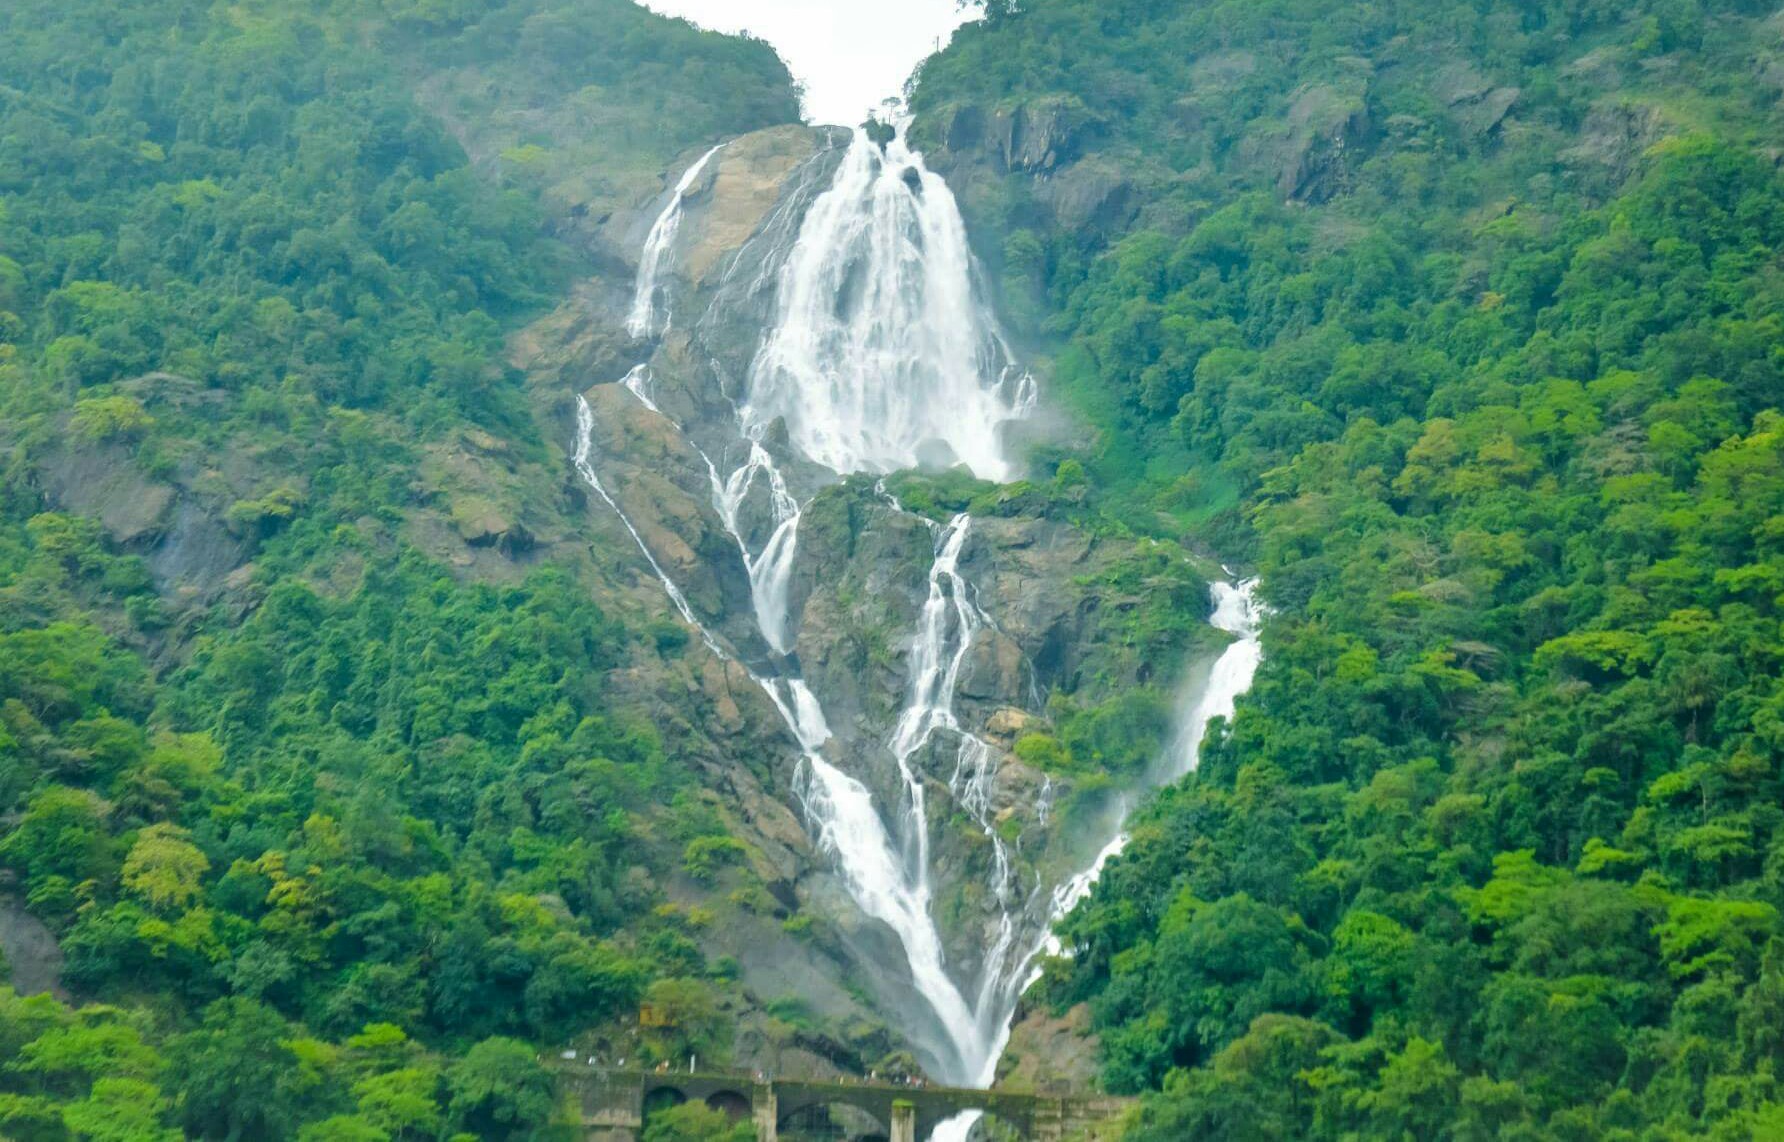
x,y
613,1103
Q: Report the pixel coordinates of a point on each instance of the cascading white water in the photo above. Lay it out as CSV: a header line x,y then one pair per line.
x,y
949,622
881,352
1238,612
582,459
771,569
637,382
888,878
933,674
851,830
642,321
881,358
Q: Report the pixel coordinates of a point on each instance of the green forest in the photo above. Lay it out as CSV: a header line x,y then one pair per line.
x,y
1458,322
1492,849
331,856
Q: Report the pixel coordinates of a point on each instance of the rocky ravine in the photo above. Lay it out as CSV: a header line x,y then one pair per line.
x,y
856,592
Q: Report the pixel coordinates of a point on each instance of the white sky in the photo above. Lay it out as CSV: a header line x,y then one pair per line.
x,y
850,54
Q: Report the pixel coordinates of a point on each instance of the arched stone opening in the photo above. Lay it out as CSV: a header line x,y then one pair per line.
x,y
832,1122
662,1098
733,1104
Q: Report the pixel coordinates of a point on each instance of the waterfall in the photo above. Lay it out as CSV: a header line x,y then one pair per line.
x,y
582,459
637,382
1238,612
933,673
949,622
881,351
641,322
850,828
881,357
887,875
771,569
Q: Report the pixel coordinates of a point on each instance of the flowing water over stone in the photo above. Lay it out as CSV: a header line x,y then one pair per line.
x,y
881,356
582,459
642,321
1238,612
770,569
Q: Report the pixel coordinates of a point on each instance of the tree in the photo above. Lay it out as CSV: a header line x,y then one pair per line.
x,y
60,839
120,1110
499,1090
164,868
696,1122
234,1073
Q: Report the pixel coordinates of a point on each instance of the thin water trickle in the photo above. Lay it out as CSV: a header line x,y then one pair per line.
x,y
642,321
1238,612
637,382
582,459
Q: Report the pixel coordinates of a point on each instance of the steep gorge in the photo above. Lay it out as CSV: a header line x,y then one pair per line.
x,y
807,319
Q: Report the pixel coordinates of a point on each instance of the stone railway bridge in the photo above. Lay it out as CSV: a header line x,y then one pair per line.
x,y
615,1103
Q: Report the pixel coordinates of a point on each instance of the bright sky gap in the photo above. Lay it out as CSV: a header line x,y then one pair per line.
x,y
849,55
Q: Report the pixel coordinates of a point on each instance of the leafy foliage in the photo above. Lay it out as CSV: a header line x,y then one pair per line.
x,y
1492,849
332,846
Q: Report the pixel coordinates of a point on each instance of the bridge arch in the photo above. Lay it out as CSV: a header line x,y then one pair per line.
x,y
615,1104
660,1098
834,1114
733,1104
817,1121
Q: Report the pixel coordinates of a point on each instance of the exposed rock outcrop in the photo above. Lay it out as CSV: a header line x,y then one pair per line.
x,y
1476,104
1049,1053
1036,136
1327,130
31,956
1616,133
178,521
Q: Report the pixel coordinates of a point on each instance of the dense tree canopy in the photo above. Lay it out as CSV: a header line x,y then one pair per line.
x,y
1460,323
1493,847
334,852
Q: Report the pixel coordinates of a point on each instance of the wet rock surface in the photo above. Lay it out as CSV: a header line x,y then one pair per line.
x,y
664,434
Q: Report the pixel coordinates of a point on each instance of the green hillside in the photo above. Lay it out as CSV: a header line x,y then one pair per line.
x,y
1462,324
325,827
345,774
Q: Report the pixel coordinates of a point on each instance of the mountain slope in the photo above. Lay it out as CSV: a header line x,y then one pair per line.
x,y
1461,325
318,755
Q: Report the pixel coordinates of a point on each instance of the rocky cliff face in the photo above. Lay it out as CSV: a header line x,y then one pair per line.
x,y
1047,146
665,427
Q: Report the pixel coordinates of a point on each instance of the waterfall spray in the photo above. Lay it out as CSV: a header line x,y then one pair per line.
x,y
881,353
